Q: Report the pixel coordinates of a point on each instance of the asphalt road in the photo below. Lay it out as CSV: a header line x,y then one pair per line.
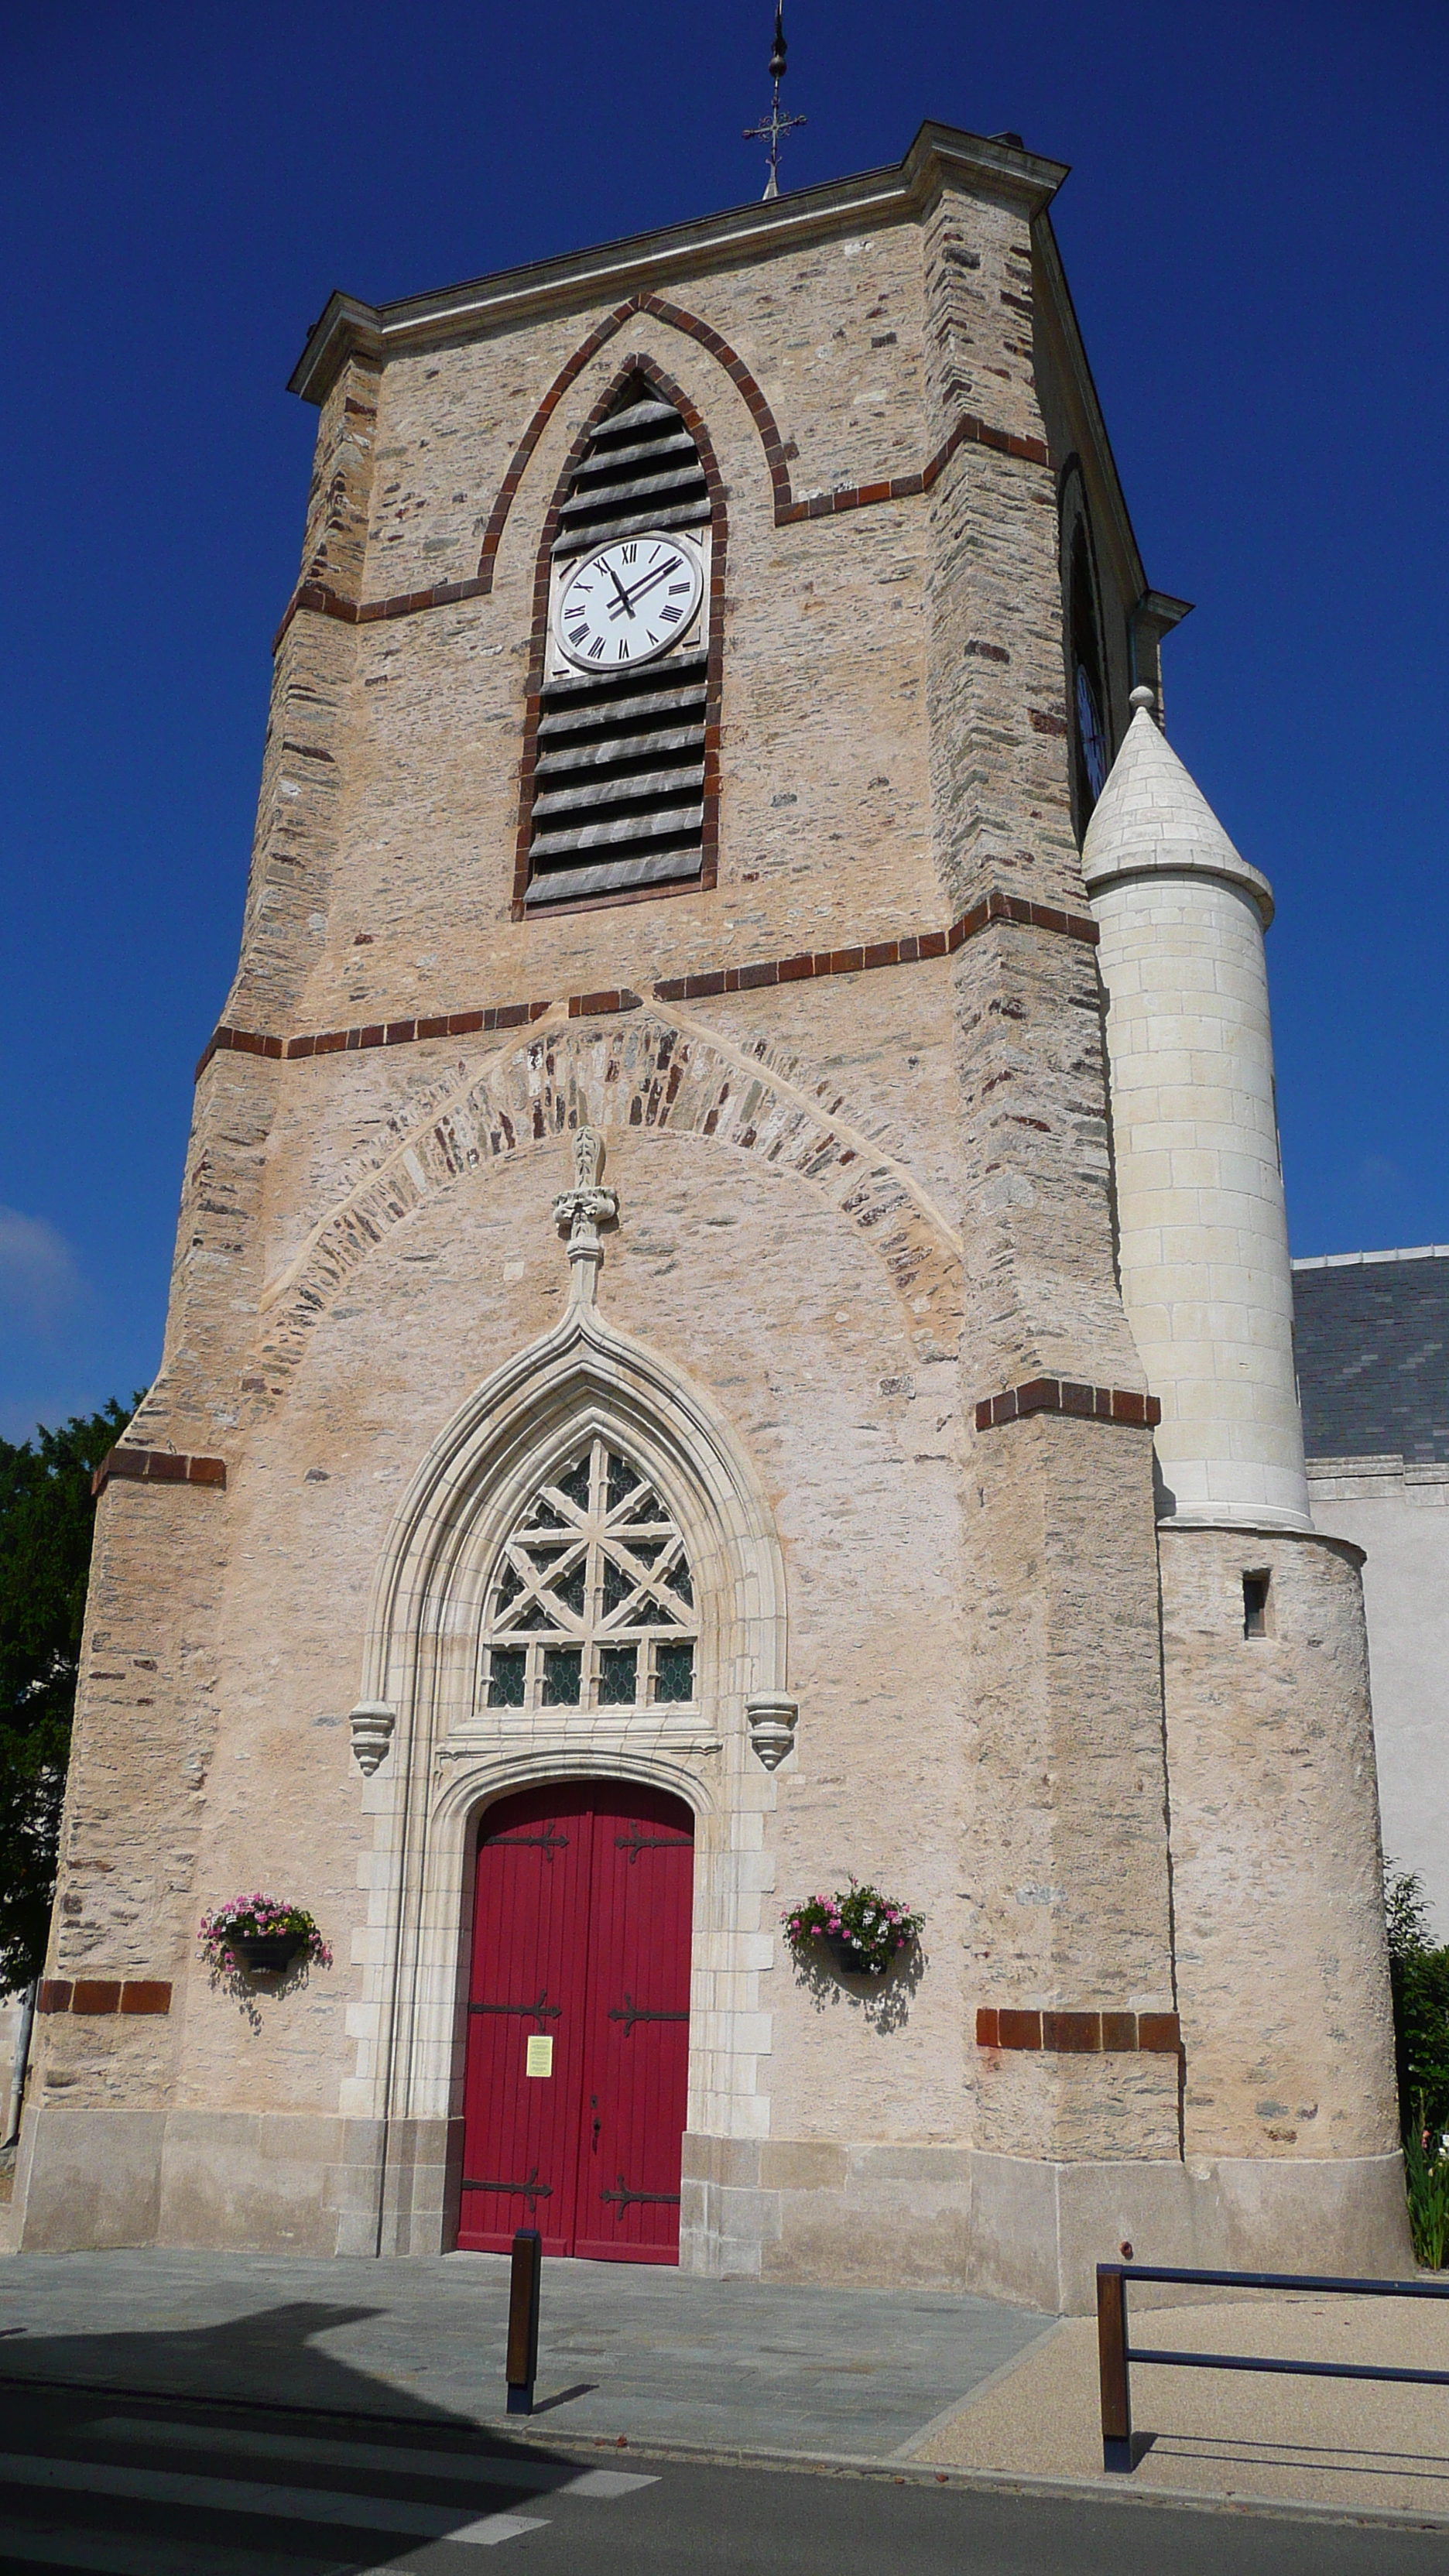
x,y
138,2489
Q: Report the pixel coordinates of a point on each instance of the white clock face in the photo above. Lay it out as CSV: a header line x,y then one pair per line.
x,y
628,602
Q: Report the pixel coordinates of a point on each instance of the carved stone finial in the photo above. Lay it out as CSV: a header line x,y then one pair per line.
x,y
372,1723
584,1208
772,1728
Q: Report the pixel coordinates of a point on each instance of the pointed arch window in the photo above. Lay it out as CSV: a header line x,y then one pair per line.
x,y
1089,709
616,777
591,1601
1089,696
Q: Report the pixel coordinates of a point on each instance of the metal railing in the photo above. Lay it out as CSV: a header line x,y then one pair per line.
x,y
1116,2353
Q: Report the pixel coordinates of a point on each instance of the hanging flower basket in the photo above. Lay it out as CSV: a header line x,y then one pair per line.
x,y
256,1936
861,1931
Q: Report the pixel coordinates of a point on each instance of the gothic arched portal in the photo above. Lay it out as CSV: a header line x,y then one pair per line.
x,y
662,1548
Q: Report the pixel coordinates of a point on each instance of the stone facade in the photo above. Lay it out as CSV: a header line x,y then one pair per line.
x,y
860,1316
1202,1226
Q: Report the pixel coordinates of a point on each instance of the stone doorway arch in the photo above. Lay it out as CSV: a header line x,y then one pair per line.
x,y
449,1757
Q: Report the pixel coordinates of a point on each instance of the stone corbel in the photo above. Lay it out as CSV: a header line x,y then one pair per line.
x,y
771,1721
372,1723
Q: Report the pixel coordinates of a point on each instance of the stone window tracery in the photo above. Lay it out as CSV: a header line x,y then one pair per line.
x,y
591,1602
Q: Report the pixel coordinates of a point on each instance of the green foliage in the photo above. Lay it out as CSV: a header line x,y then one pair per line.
x,y
1419,1976
876,1928
1419,1979
45,1553
1426,2173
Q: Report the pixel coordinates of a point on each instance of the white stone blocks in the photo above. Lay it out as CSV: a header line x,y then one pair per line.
x,y
1202,1231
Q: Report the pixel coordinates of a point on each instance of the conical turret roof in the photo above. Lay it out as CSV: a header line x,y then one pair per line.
x,y
1151,815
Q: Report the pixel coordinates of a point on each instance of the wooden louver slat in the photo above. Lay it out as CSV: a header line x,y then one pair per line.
x,y
618,782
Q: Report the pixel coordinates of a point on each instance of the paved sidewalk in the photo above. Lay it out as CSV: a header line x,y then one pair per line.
x,y
625,2348
920,2377
1344,2444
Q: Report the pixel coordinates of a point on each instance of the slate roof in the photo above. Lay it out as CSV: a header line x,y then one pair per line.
x,y
1371,1333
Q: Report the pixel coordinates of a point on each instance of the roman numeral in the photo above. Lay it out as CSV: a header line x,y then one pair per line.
x,y
623,648
678,589
671,613
596,649
630,553
578,635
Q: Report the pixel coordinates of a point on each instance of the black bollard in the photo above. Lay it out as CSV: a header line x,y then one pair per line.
x,y
523,2296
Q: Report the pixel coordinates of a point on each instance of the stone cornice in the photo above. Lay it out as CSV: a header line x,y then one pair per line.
x,y
940,156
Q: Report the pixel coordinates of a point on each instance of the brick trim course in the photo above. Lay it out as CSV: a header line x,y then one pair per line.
x,y
907,951
157,1467
1063,1395
1079,2034
104,1995
969,431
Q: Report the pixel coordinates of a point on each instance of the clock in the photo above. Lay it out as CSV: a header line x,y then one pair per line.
x,y
628,602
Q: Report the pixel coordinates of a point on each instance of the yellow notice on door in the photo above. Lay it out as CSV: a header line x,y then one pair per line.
x,y
539,2060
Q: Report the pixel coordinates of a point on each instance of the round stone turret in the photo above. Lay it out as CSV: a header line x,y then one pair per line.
x,y
1206,1278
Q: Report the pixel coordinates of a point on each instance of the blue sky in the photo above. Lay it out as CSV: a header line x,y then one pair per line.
x,y
1254,230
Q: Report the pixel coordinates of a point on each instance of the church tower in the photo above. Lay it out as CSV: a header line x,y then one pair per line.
x,y
668,1327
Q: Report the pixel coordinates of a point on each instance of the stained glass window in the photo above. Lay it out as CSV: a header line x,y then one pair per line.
x,y
591,1604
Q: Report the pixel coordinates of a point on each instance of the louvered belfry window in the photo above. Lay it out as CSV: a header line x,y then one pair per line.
x,y
619,774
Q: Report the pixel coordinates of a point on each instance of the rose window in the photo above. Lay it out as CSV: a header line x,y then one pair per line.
x,y
591,1604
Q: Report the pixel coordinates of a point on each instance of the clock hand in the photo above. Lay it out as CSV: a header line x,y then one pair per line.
x,y
638,588
623,594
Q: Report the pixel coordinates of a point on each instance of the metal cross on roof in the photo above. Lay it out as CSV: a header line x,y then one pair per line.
x,y
773,128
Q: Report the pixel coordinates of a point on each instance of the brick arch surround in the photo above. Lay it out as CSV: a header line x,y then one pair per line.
x,y
646,1073
600,336
634,365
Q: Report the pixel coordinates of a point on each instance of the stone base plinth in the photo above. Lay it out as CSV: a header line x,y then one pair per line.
x,y
1012,2228
864,2214
256,2182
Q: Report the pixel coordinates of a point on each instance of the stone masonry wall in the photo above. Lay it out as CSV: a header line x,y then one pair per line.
x,y
1066,1776
1282,1972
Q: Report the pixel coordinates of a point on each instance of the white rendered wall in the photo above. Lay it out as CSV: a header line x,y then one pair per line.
x,y
1400,1517
1206,1277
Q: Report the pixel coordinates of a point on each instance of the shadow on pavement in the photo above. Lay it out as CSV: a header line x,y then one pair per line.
x,y
266,2370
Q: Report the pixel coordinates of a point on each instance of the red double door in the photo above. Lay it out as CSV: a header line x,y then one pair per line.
x,y
578,2023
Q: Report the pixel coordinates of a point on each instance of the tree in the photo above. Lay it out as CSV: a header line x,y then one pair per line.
x,y
1419,1978
46,1516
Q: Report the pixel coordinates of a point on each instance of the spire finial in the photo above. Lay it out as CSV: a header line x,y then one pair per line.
x,y
774,127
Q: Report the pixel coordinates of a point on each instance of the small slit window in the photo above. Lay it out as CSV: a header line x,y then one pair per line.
x,y
1255,1605
591,1604
618,781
